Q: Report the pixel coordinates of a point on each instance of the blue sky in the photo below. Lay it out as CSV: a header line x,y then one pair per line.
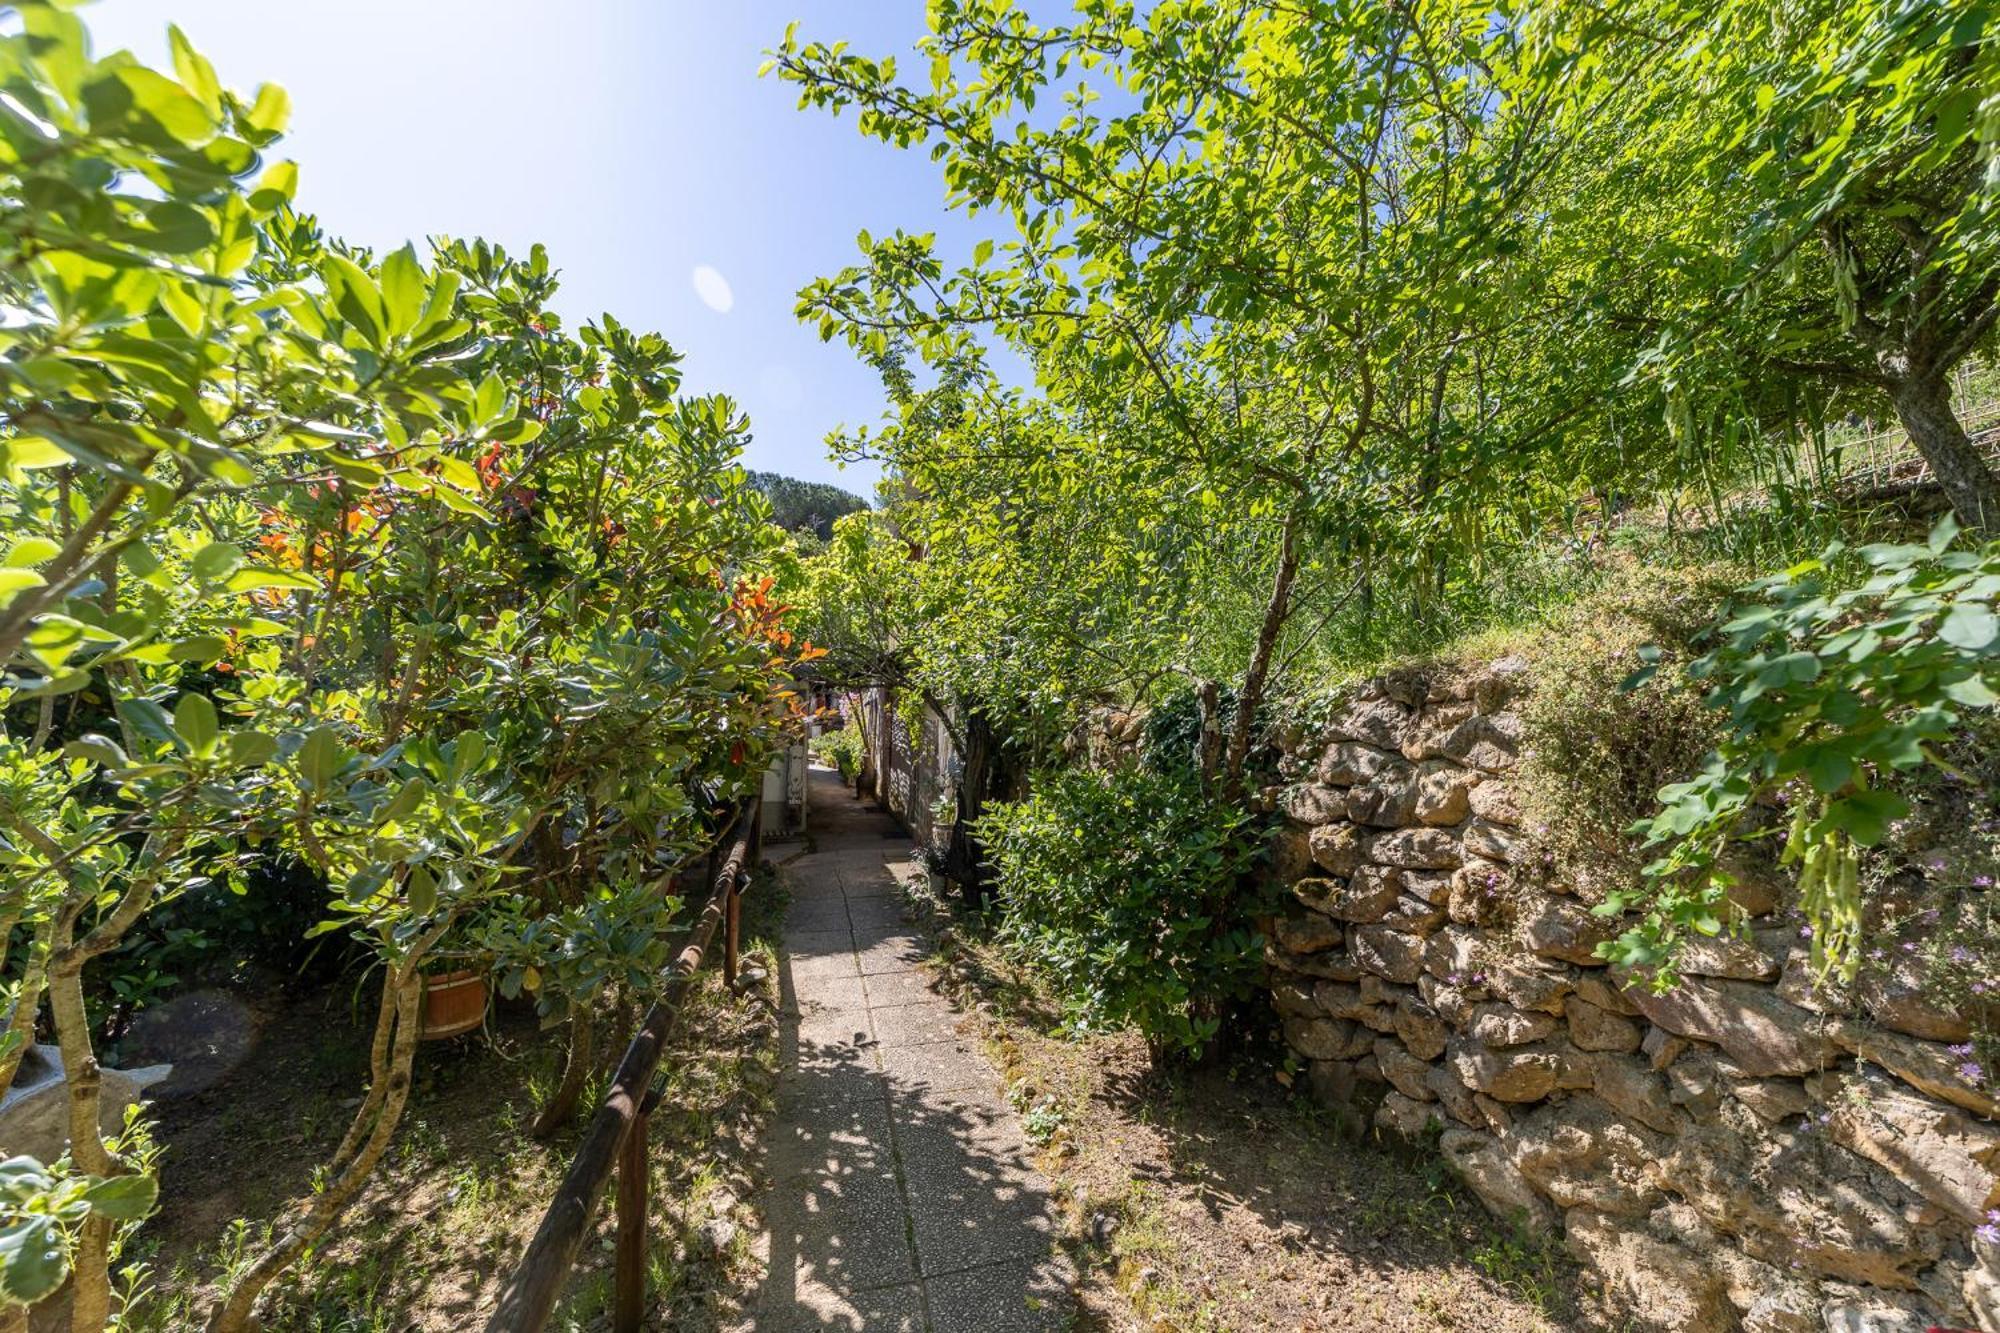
x,y
632,137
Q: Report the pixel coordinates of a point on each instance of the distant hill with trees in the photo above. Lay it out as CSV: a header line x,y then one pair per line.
x,y
805,506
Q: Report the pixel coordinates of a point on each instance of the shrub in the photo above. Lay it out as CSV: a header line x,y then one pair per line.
x,y
1830,692
842,749
1131,890
1595,755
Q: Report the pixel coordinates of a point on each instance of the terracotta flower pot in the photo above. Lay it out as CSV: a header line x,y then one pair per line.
x,y
454,1003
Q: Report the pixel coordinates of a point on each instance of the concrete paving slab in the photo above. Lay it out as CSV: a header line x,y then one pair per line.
x,y
915,1024
1014,1297
942,1066
887,990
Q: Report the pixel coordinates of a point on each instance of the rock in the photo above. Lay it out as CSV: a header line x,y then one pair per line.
x,y
1405,1072
1346,764
1600,989
1788,1308
1291,854
1454,1096
1501,683
1582,1154
1490,742
34,1114
1557,928
1365,896
1388,953
1662,1048
1337,847
1477,890
1595,1029
1443,793
1696,1085
1798,986
1421,1030
1306,932
1331,1082
1403,1115
1494,842
1538,989
1413,916
1333,965
1773,1099
1940,1153
1433,886
1493,800
1897,998
1320,1038
1451,953
1437,722
1414,849
1871,1316
1351,1002
1484,1166
1377,722
1762,1033
1736,959
1520,1075
1633,1090
1387,800
1923,1065
1504,1025
715,1236
1293,1000
1661,1284
1313,804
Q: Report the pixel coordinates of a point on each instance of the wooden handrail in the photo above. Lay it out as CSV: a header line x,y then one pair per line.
x,y
538,1279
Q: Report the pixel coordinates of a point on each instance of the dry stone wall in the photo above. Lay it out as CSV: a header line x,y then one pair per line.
x,y
1741,1152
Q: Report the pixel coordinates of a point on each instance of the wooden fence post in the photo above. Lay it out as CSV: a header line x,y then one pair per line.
x,y
629,1298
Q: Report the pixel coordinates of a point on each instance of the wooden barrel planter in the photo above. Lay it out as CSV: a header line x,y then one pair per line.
x,y
454,1004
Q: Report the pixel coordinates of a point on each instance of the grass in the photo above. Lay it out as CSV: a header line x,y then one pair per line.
x,y
433,1234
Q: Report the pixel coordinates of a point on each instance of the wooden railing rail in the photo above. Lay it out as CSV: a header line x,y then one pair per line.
x,y
616,1136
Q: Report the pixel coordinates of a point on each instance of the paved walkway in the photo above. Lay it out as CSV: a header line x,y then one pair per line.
x,y
903,1197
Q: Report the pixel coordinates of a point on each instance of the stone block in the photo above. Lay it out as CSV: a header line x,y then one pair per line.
x,y
1388,953
1313,803
1443,793
1761,1033
1414,849
1595,1029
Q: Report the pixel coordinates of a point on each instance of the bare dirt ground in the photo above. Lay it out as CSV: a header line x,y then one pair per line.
x,y
433,1235
1215,1199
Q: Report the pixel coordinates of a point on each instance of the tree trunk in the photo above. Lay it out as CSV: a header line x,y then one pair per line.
x,y
1923,405
20,1031
90,1270
379,1054
1276,611
965,861
576,1072
233,1315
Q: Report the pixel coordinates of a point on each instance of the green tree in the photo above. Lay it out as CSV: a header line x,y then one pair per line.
x,y
1795,204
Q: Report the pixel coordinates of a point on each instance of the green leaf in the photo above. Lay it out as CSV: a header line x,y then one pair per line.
x,y
149,105
1969,626
402,290
251,749
34,1260
123,1198
252,577
214,562
356,297
195,720
1866,816
319,758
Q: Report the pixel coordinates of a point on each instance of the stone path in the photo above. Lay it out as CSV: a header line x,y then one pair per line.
x,y
903,1197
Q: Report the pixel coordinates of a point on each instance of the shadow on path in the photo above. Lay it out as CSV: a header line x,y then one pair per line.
x,y
903,1196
